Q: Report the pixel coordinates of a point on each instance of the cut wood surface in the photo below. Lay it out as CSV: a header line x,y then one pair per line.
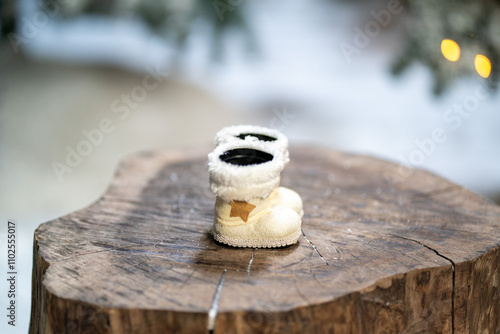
x,y
415,254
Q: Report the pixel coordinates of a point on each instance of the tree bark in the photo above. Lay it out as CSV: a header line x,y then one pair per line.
x,y
385,249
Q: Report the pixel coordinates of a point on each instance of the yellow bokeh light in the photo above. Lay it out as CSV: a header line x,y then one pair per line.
x,y
450,49
483,65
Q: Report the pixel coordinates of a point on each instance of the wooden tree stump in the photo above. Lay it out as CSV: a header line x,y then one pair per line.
x,y
420,255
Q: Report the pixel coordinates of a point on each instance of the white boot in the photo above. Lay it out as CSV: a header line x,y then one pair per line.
x,y
281,196
243,175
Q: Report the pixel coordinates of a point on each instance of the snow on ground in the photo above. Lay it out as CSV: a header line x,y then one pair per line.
x,y
354,106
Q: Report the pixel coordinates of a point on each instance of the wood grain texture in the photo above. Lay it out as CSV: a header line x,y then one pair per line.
x,y
420,255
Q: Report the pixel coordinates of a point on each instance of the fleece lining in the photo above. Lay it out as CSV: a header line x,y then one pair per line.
x,y
244,183
231,133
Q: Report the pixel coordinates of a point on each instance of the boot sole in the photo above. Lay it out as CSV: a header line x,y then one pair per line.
x,y
255,243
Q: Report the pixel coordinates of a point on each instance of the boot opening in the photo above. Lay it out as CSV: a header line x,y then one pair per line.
x,y
245,157
259,136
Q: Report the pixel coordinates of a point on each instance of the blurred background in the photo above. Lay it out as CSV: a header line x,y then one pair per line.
x,y
85,82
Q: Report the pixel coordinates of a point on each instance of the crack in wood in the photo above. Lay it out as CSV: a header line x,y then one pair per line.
x,y
187,279
315,249
79,255
452,271
438,191
212,313
301,295
249,267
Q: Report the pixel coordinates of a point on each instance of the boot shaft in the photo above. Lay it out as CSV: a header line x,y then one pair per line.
x,y
245,170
